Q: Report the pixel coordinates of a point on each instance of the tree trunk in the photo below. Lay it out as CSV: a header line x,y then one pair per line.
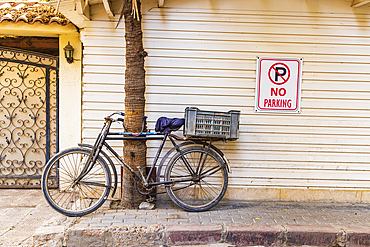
x,y
134,151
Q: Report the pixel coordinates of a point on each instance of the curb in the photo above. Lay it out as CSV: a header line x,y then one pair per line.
x,y
357,236
255,235
193,234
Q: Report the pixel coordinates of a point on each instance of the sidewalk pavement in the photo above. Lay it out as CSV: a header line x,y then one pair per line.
x,y
21,213
231,223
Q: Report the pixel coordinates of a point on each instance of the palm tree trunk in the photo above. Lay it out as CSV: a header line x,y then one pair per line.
x,y
134,151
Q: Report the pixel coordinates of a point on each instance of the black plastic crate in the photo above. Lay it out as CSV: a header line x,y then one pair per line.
x,y
211,124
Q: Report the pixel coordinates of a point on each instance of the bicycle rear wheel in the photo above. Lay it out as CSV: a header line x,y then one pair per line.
x,y
200,179
64,194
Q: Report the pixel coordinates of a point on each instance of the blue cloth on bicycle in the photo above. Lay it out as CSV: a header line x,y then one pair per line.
x,y
166,125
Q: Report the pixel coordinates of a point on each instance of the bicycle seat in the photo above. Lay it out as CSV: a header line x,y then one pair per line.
x,y
167,125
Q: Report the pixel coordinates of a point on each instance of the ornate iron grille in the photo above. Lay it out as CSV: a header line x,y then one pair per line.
x,y
28,116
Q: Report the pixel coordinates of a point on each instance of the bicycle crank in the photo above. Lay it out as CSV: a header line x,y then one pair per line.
x,y
142,189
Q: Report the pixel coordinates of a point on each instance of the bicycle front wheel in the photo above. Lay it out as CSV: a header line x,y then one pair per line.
x,y
73,198
199,179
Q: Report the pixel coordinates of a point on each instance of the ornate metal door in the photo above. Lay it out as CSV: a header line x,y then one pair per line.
x,y
28,116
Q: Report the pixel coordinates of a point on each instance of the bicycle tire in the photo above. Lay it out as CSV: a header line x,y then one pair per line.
x,y
199,193
75,199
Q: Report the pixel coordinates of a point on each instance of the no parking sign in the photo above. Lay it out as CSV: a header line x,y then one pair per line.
x,y
278,84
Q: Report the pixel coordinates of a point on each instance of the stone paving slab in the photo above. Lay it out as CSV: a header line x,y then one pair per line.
x,y
21,213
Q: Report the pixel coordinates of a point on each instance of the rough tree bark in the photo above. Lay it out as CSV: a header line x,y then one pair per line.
x,y
134,151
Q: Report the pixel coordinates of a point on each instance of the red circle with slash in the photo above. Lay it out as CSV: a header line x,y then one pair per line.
x,y
279,71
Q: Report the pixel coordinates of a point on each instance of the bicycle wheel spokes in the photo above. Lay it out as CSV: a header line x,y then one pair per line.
x,y
68,196
205,189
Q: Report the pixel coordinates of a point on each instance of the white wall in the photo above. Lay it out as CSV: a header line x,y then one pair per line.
x,y
203,53
70,93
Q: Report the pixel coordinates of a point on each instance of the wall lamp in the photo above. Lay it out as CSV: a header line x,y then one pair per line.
x,y
68,53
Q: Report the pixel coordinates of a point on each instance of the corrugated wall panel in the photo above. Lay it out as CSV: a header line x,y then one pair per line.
x,y
204,57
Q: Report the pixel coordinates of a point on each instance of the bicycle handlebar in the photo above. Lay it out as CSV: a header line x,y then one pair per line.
x,y
117,112
118,119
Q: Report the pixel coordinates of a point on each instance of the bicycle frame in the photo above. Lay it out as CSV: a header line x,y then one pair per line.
x,y
105,135
147,136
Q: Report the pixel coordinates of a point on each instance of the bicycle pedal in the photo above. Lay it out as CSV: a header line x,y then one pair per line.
x,y
151,199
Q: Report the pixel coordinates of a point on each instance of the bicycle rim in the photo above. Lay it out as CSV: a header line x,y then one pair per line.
x,y
67,197
202,193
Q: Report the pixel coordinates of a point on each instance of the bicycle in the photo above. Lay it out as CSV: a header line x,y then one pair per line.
x,y
77,181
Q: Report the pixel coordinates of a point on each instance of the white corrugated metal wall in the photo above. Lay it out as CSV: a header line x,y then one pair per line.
x,y
205,56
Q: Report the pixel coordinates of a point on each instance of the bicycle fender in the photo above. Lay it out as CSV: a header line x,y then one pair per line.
x,y
227,164
84,145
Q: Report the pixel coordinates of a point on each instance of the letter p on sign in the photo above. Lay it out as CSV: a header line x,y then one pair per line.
x,y
278,81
